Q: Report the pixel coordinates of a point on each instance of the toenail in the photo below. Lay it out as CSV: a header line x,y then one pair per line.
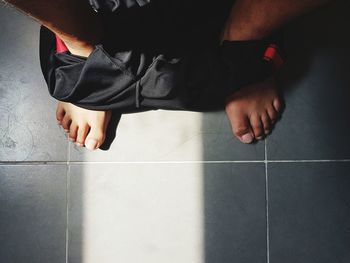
x,y
71,139
247,138
79,144
66,130
260,137
91,144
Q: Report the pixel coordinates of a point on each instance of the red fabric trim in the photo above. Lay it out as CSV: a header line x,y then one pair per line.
x,y
60,46
272,54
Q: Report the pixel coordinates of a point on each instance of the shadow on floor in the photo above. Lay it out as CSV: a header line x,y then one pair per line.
x,y
317,71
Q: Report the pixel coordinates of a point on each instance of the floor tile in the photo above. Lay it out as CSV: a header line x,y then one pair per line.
x,y
316,79
157,213
28,130
309,212
235,213
32,214
135,213
173,136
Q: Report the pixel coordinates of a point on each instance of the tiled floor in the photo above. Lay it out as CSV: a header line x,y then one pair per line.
x,y
176,186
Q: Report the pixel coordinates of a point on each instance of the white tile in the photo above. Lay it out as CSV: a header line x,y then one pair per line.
x,y
136,213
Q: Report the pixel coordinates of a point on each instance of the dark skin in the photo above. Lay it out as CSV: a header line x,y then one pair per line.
x,y
252,111
253,19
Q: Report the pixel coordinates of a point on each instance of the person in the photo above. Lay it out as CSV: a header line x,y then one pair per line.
x,y
252,110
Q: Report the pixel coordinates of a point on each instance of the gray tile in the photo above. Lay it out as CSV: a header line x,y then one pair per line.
x,y
235,213
32,214
28,129
309,212
315,123
167,213
219,144
173,136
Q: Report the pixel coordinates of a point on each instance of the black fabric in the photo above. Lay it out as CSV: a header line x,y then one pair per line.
x,y
136,80
113,5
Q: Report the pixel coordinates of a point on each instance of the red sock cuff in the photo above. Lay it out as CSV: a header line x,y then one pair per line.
x,y
273,55
60,46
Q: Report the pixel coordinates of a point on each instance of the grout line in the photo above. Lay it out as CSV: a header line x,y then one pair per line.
x,y
311,161
67,210
117,162
68,162
68,153
33,163
67,199
164,162
267,205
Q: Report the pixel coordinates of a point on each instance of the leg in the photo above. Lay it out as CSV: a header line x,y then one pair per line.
x,y
253,19
73,20
80,29
253,110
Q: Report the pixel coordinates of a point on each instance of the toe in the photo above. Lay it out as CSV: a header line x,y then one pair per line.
x,y
277,104
265,119
73,132
255,122
66,122
95,138
81,134
273,114
97,133
60,113
241,127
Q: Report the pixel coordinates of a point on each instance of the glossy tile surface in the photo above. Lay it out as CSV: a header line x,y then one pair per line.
x,y
28,129
309,212
235,213
136,212
32,214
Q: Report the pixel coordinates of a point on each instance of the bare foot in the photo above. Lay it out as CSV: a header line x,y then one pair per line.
x,y
85,127
253,110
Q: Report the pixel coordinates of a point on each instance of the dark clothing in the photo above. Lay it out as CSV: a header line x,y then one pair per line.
x,y
157,54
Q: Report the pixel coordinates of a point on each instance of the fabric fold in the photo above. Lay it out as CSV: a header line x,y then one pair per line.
x,y
113,5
